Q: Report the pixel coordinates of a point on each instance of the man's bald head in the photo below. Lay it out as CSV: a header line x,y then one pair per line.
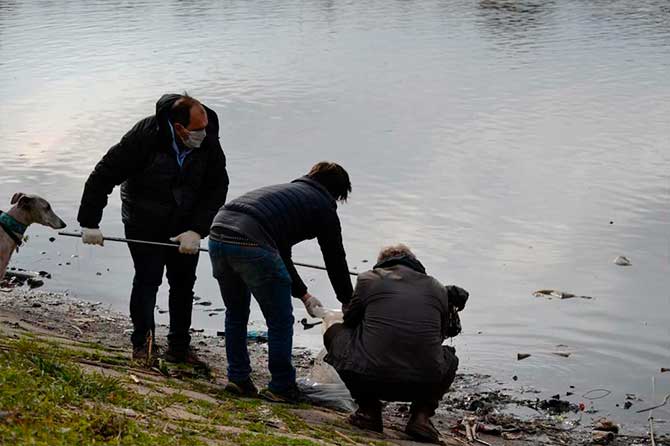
x,y
188,114
185,110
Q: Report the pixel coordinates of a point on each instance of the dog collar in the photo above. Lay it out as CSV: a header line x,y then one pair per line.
x,y
13,228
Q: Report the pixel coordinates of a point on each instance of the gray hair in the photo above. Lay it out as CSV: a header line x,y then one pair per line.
x,y
394,251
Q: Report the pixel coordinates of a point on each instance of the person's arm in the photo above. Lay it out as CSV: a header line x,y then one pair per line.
x,y
215,185
355,310
120,162
312,304
330,241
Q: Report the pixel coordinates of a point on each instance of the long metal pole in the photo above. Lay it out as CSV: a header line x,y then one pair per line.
x,y
176,245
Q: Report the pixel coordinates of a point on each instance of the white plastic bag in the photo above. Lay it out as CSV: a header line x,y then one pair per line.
x,y
323,386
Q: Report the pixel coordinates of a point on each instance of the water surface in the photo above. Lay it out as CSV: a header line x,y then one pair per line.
x,y
514,145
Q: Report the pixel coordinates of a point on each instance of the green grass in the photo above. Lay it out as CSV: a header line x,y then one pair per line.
x,y
46,398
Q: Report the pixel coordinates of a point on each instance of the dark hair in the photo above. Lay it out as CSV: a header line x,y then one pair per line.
x,y
181,109
333,177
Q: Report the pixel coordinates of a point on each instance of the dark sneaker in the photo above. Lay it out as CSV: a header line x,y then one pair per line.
x,y
422,429
291,395
141,353
187,356
367,421
242,388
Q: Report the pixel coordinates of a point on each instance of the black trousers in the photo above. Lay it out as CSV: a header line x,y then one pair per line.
x,y
369,391
150,263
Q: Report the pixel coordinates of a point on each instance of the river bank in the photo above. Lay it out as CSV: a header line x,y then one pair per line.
x,y
66,378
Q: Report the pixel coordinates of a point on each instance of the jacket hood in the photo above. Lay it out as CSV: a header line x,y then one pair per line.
x,y
164,105
405,260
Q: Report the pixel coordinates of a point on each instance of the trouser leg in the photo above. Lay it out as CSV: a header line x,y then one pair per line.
x,y
265,274
149,263
274,299
237,299
181,269
428,396
364,394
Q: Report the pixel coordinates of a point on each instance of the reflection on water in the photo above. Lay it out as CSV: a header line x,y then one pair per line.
x,y
516,23
515,145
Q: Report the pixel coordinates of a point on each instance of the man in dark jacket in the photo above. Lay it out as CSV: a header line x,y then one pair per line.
x,y
173,179
250,248
389,346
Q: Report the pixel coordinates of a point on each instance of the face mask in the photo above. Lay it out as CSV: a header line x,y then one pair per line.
x,y
195,138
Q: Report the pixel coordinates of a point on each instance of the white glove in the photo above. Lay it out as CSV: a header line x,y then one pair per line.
x,y
92,236
313,306
189,242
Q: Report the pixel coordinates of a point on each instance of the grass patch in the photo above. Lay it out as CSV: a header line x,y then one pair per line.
x,y
248,439
47,400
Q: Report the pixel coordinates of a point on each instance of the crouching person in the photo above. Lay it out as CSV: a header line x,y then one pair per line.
x,y
389,346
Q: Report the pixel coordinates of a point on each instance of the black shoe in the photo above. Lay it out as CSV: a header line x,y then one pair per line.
x,y
187,356
242,388
367,421
421,429
292,395
141,353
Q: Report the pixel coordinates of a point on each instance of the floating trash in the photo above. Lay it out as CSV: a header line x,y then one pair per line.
x,y
558,294
622,261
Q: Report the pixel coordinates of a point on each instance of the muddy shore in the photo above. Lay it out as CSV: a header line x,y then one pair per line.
x,y
503,418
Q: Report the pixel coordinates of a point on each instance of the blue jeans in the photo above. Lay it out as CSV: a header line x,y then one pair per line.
x,y
242,271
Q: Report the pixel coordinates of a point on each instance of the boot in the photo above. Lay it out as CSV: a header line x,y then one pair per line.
x,y
291,395
186,356
368,416
245,388
421,428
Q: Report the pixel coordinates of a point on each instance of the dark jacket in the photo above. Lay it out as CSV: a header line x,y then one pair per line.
x,y
156,191
395,326
283,215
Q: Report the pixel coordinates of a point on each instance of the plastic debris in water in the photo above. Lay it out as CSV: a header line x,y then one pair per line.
x,y
622,261
558,294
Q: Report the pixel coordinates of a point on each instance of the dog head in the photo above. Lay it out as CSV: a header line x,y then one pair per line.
x,y
36,209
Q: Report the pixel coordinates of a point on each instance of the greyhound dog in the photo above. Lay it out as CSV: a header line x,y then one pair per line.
x,y
27,209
